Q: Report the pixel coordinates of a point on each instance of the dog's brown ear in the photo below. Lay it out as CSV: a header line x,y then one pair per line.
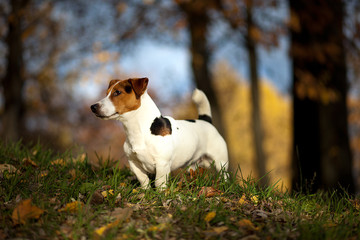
x,y
112,82
139,85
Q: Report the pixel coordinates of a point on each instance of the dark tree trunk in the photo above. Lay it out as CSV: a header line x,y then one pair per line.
x,y
257,130
321,151
13,82
198,21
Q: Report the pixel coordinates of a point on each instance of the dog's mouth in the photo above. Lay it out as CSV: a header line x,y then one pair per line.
x,y
107,117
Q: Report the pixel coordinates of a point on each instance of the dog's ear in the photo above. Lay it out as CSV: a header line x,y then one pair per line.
x,y
112,82
139,85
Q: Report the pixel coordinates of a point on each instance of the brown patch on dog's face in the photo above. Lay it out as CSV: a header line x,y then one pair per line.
x,y
125,94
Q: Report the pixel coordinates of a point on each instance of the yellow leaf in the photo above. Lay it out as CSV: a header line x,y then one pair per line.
x,y
72,207
158,228
121,214
58,161
242,200
219,230
122,184
101,231
44,173
106,193
254,199
135,191
24,211
210,216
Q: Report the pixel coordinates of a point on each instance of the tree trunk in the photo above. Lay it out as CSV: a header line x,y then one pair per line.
x,y
321,151
13,82
198,21
257,130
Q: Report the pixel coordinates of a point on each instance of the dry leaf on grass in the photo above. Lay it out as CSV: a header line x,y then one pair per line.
x,y
209,192
29,162
24,211
107,193
58,161
121,215
242,200
248,225
210,216
72,207
158,228
7,168
219,230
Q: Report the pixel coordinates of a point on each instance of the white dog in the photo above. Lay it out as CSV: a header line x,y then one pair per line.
x,y
157,144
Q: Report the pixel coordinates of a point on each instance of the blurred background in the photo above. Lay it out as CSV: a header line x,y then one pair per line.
x,y
282,77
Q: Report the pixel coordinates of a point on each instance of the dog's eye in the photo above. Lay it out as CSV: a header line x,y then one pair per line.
x,y
116,93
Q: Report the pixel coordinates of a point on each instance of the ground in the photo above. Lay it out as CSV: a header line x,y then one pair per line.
x,y
45,195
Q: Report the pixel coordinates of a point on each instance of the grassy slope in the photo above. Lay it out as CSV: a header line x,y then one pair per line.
x,y
194,206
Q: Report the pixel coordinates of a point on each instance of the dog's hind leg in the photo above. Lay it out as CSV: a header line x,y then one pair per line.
x,y
220,157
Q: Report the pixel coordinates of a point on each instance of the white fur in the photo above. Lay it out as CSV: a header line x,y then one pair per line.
x,y
190,143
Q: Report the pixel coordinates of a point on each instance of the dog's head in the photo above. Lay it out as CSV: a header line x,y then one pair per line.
x,y
121,96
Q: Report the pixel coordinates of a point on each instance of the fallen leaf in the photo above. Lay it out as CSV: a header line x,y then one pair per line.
x,y
24,211
106,193
72,173
158,228
356,203
80,158
7,168
121,215
254,199
101,231
248,225
135,191
242,200
44,173
29,162
209,192
58,161
219,230
329,225
197,173
97,198
72,207
210,216
260,214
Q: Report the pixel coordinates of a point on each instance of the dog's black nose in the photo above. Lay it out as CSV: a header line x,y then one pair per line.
x,y
94,108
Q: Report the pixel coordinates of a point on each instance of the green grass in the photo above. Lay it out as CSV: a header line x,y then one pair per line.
x,y
240,207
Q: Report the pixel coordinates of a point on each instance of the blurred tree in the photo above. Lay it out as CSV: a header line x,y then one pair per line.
x,y
198,22
13,81
321,152
240,16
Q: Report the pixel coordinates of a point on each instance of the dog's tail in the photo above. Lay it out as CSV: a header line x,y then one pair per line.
x,y
202,104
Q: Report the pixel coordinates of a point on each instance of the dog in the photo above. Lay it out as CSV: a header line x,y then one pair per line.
x,y
156,144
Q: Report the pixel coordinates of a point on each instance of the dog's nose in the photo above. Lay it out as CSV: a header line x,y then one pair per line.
x,y
94,107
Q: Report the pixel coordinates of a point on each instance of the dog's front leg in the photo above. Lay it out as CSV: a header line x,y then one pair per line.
x,y
162,174
140,175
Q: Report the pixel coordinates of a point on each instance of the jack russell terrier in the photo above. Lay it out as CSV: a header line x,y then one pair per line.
x,y
156,144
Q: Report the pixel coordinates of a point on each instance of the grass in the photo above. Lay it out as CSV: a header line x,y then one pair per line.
x,y
110,205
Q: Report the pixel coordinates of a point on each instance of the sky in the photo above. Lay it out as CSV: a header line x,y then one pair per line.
x,y
169,66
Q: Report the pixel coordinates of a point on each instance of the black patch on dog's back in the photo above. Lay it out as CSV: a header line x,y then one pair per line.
x,y
161,126
190,120
205,118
